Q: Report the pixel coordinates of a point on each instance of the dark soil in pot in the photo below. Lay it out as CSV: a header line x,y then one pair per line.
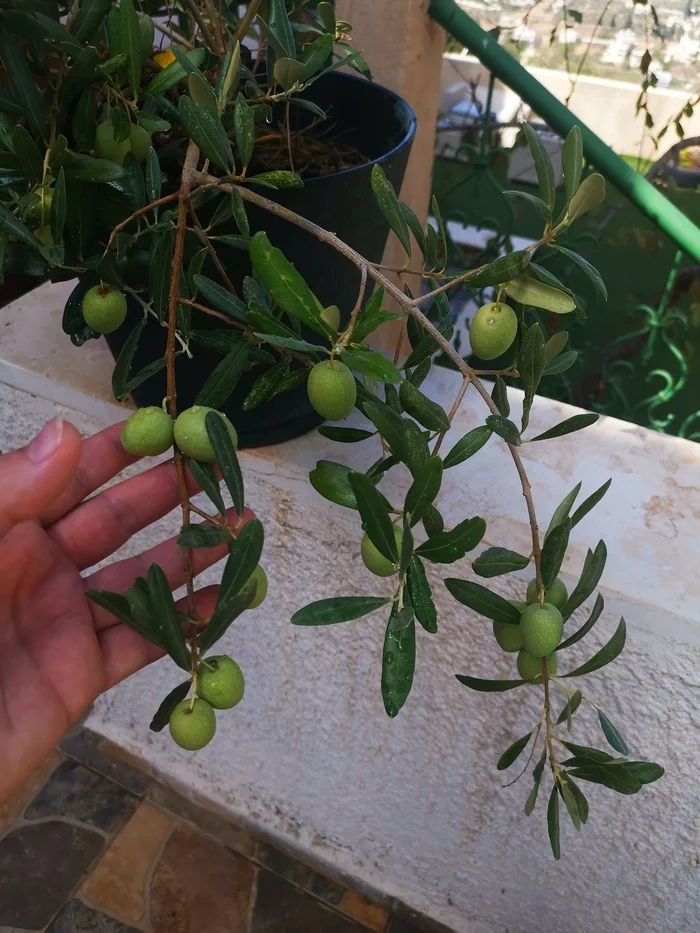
x,y
381,126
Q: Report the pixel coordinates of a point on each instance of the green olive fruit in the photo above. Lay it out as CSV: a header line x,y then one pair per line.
x,y
140,140
222,687
332,390
191,433
492,330
331,315
148,432
530,668
41,209
147,33
375,561
106,146
104,308
260,578
44,235
192,726
541,628
556,594
508,636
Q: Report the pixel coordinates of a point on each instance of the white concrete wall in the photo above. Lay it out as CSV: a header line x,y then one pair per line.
x,y
608,107
415,806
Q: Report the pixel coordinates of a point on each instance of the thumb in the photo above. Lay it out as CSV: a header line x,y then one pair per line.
x,y
32,478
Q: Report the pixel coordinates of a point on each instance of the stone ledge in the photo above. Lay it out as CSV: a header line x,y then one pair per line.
x,y
413,806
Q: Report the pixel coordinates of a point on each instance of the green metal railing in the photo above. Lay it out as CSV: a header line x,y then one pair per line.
x,y
501,64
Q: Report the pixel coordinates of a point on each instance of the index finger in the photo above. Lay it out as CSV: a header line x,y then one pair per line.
x,y
101,458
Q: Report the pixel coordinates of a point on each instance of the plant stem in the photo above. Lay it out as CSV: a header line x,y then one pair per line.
x,y
548,719
166,199
248,18
453,411
204,29
212,252
183,195
347,333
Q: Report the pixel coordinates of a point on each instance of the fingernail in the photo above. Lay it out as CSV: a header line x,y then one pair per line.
x,y
47,442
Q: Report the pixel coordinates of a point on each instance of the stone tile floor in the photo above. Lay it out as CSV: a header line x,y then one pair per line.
x,y
91,844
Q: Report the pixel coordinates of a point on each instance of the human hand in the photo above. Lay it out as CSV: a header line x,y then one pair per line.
x,y
59,651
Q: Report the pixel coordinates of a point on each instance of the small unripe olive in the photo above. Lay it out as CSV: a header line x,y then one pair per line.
x,y
104,308
508,636
332,390
44,235
148,432
493,330
222,687
375,561
555,595
530,668
106,146
140,140
191,433
331,315
260,578
192,726
541,628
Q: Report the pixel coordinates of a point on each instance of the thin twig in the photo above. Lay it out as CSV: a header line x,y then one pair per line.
x,y
347,333
199,19
453,411
190,164
212,252
174,36
166,199
215,22
248,18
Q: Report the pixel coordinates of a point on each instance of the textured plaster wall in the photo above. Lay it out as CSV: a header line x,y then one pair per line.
x,y
415,806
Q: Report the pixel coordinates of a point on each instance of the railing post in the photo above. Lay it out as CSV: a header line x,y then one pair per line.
x,y
403,47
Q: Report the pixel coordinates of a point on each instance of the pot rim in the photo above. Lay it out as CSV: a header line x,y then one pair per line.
x,y
407,139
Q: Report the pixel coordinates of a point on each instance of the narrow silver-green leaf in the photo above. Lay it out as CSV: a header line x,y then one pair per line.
x,y
166,619
338,609
543,165
207,131
470,444
421,595
375,517
531,292
226,458
390,207
131,43
244,123
531,363
483,601
572,161
495,561
162,715
575,423
590,503
606,654
424,489
449,546
398,662
224,378
612,734
590,195
553,823
513,752
583,264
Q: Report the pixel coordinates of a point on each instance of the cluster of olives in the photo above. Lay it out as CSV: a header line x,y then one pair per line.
x,y
151,431
493,330
220,685
539,632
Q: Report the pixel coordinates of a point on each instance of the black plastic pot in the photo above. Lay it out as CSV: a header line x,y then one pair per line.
x,y
381,126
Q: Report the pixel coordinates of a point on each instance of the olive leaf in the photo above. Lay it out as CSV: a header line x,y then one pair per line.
x,y
398,662
495,561
606,654
162,715
512,752
470,444
483,601
591,194
375,516
421,595
390,207
338,609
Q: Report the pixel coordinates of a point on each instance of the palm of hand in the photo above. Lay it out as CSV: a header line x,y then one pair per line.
x,y
59,651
